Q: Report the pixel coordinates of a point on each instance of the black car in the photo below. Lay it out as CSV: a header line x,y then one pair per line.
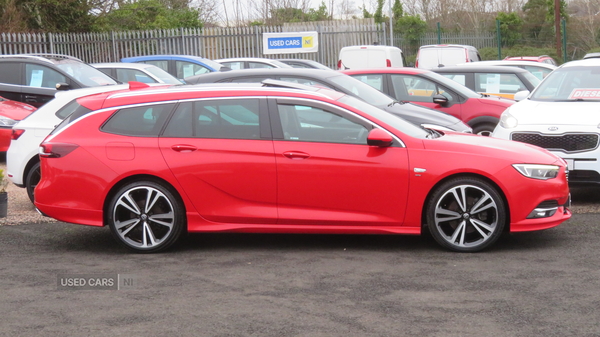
x,y
491,80
302,63
35,78
334,80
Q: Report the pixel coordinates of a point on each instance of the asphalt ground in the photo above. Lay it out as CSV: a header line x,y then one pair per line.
x,y
544,283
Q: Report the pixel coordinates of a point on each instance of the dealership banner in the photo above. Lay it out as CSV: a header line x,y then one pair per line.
x,y
288,43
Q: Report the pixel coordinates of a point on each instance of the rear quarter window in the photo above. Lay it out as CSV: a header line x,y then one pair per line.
x,y
144,121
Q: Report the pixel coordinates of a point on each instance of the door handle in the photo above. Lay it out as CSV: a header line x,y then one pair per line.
x,y
296,155
184,148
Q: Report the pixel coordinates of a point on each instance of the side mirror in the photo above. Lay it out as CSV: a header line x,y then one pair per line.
x,y
380,138
62,86
440,99
521,95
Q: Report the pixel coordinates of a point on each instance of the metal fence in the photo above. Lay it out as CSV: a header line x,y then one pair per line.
x,y
219,42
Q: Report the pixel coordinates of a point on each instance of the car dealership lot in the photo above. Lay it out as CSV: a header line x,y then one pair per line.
x,y
530,284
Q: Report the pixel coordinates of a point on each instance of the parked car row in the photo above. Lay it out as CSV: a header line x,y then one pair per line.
x,y
291,151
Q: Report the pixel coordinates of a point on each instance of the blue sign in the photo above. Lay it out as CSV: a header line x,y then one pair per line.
x,y
285,42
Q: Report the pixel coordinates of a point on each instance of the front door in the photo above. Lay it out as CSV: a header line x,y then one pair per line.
x,y
326,172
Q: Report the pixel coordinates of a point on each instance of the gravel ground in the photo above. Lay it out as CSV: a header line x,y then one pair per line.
x,y
22,211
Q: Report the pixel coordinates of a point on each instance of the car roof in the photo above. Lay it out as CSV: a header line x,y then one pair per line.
x,y
592,62
387,70
43,57
170,93
124,65
509,63
314,73
447,46
475,68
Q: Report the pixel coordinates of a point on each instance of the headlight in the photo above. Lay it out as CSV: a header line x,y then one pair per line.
x,y
537,171
508,121
5,121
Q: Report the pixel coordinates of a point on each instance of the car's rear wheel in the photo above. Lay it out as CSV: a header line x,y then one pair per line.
x,y
485,129
466,214
32,179
146,217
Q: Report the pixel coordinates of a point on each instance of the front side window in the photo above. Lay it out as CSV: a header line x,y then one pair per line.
x,y
162,64
458,78
498,83
187,69
417,89
311,124
237,65
138,121
222,119
42,77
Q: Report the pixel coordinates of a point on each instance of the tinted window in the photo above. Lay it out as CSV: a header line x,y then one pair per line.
x,y
310,124
187,69
70,108
139,121
42,77
9,73
227,119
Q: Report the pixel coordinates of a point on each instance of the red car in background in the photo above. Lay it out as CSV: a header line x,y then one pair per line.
x,y
542,59
429,89
10,113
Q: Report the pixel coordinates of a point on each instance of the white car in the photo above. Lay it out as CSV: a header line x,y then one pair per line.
x,y
562,115
22,161
238,63
539,69
140,72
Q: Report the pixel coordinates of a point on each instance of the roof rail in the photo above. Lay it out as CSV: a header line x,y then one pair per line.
x,y
43,57
285,84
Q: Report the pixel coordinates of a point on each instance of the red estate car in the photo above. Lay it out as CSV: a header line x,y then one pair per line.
x,y
153,163
432,90
10,113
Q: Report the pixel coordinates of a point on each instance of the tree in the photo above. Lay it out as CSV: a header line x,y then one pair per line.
x,y
149,14
57,15
411,28
378,16
397,10
535,12
510,28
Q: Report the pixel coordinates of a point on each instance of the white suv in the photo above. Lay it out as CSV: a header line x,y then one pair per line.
x,y
22,162
562,115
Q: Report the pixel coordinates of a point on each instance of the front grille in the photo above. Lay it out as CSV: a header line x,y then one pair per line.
x,y
568,142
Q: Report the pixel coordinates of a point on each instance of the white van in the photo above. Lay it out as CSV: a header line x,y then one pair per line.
x,y
443,55
371,56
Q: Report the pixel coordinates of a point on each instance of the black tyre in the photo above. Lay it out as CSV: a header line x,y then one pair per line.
x,y
32,179
146,217
466,214
484,129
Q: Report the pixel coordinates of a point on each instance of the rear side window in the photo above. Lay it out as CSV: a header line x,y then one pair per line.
x,y
498,83
9,73
139,121
224,119
187,69
69,113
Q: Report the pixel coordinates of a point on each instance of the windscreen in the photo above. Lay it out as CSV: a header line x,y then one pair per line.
x,y
85,74
570,84
430,58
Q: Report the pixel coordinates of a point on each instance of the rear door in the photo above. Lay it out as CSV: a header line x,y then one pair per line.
x,y
221,152
326,172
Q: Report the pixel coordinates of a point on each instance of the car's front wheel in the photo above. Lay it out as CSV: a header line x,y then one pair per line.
x,y
485,129
466,214
146,217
